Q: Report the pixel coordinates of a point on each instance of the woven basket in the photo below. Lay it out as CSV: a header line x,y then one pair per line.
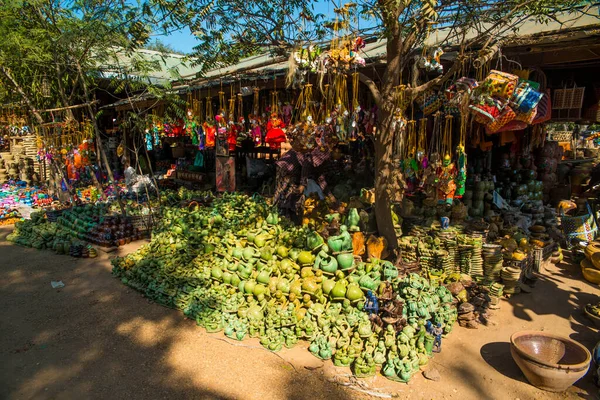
x,y
567,99
581,227
560,136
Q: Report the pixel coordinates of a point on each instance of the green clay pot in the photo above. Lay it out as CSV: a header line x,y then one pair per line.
x,y
259,289
216,273
237,252
285,264
368,283
272,219
327,286
330,265
249,253
244,270
310,285
339,290
283,285
235,280
354,292
266,253
345,260
293,254
261,240
282,251
254,312
249,287
264,276
305,258
335,243
227,277
296,288
251,236
314,241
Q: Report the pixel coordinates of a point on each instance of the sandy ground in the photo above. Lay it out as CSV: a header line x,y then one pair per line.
x,y
97,339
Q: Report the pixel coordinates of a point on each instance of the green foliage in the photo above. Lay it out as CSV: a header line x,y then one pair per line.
x,y
51,50
160,46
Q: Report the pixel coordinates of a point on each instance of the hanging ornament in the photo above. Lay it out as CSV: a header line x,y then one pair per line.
x,y
256,102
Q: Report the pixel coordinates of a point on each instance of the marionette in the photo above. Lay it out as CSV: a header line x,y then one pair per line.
x,y
232,135
222,145
255,130
446,181
287,113
461,173
275,134
149,140
241,131
210,132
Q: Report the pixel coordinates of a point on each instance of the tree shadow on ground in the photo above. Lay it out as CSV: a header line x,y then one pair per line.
x,y
497,355
96,338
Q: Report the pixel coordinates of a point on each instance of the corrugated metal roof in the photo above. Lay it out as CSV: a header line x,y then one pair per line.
x,y
169,67
265,63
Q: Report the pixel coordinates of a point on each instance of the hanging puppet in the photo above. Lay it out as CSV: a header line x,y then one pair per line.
x,y
255,130
275,133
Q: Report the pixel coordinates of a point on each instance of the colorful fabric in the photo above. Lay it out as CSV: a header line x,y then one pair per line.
x,y
544,109
501,84
525,98
429,102
504,118
487,110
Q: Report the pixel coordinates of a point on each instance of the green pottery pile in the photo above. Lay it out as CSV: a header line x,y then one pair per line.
x,y
237,267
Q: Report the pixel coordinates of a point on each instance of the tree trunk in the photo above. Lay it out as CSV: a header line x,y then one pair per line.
x,y
383,173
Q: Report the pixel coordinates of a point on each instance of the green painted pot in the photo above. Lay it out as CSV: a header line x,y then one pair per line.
x,y
227,277
237,252
293,254
259,289
264,276
249,287
345,260
235,280
249,253
339,290
354,292
283,285
216,273
282,251
327,286
266,253
261,240
305,258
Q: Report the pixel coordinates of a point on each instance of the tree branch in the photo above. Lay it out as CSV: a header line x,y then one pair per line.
x,y
372,87
413,92
22,93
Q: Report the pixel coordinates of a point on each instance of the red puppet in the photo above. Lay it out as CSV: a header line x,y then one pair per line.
x,y
275,134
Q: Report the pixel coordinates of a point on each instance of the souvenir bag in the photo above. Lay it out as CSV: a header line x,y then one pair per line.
x,y
451,108
543,109
501,84
525,98
429,102
506,116
526,117
486,109
514,125
461,86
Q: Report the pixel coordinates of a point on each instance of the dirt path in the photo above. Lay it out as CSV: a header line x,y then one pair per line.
x,y
96,338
